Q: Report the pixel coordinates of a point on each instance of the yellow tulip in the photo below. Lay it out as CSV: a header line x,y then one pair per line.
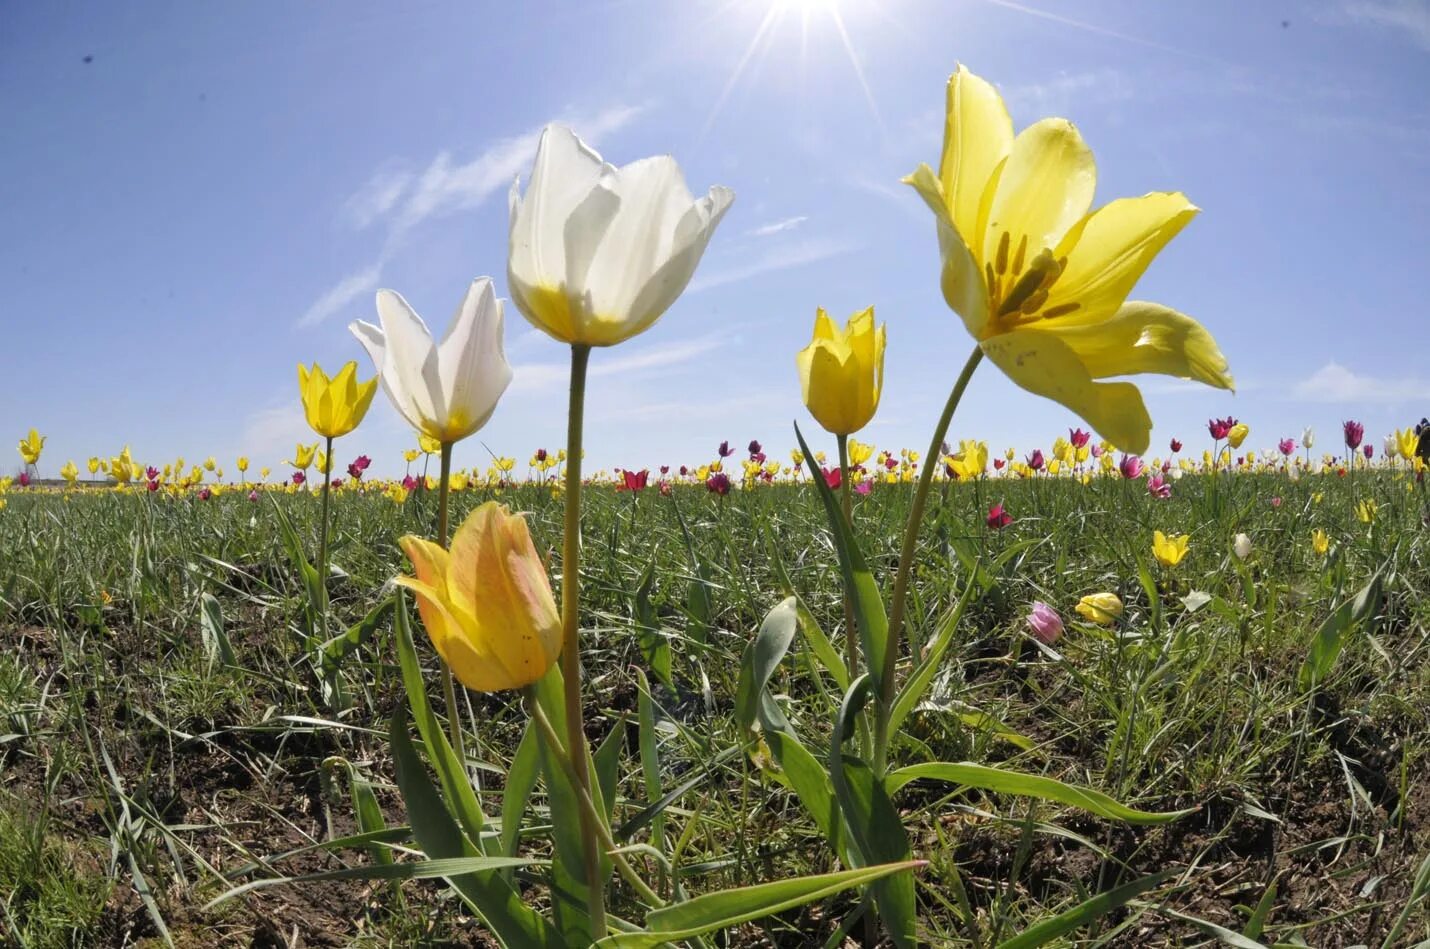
x,y
303,456
31,446
1407,441
1040,282
487,604
334,406
841,372
1237,434
1100,608
1320,542
428,444
411,455
971,460
122,467
1366,511
95,464
210,463
70,472
1169,551
242,464
263,473
859,452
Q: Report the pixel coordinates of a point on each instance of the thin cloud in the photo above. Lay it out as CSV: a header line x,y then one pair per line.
x,y
784,257
1407,18
1334,383
272,432
532,376
375,199
341,294
777,227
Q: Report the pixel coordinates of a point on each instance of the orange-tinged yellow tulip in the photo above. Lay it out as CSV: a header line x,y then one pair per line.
x,y
1040,281
841,372
1100,608
334,406
1169,551
487,603
31,446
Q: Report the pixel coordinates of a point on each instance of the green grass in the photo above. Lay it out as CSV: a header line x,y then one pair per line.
x,y
105,664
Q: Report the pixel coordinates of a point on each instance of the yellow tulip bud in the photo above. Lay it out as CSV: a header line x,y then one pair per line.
x,y
334,406
1237,434
1101,608
487,604
842,372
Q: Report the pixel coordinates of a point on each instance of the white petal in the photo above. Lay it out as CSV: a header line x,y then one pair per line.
x,y
411,363
642,237
668,282
473,364
565,171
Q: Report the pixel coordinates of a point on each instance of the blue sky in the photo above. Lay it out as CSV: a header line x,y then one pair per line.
x,y
219,189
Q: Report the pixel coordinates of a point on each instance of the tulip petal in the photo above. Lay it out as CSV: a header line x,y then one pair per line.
x,y
1146,337
1043,364
961,278
473,366
563,174
1108,251
977,135
411,364
1045,186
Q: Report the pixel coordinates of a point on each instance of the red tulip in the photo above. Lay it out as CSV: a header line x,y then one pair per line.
x,y
998,518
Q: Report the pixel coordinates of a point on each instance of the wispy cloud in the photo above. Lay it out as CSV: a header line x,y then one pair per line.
x,y
272,432
1334,383
401,200
776,227
1408,18
1068,92
542,375
341,294
783,257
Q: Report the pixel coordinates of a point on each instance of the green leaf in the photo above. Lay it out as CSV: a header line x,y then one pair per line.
x,y
216,643
860,587
1331,637
654,647
520,780
726,908
918,683
876,833
607,759
1084,913
316,604
335,650
698,608
988,778
650,756
810,781
762,656
487,893
1227,936
456,785
414,870
823,649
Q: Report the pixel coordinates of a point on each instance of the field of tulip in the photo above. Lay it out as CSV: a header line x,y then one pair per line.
x,y
822,695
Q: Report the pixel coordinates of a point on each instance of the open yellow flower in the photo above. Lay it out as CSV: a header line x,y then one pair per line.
x,y
1366,510
1237,434
1100,608
971,460
1169,551
70,472
842,371
31,446
1320,542
334,406
487,604
303,456
1039,281
1407,442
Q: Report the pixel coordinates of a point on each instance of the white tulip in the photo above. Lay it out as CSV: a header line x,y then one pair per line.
x,y
445,390
598,253
1308,438
1241,546
1392,446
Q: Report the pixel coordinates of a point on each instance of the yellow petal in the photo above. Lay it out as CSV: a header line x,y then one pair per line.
x,y
977,135
827,392
1145,337
961,278
1108,251
1044,365
824,327
1044,188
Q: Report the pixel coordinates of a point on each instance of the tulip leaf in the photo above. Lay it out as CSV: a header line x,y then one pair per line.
x,y
335,650
989,778
762,656
918,683
823,649
607,759
487,893
655,648
1083,913
860,587
698,608
1331,637
725,908
216,643
810,782
456,785
876,833
520,780
650,756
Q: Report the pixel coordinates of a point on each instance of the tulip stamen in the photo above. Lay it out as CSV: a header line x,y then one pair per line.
x,y
1042,271
1021,253
1002,259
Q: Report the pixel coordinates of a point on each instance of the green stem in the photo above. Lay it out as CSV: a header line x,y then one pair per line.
x,y
851,633
906,560
323,528
449,689
571,633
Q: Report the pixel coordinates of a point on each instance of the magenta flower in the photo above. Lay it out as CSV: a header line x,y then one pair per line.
x,y
1097,451
755,448
1045,623
1218,427
1354,432
151,473
1158,487
24,479
1078,437
718,483
205,494
1276,502
864,487
1035,460
409,483
1176,446
725,450
540,455
1130,466
1287,446
299,477
1368,449
833,478
253,496
153,486
998,518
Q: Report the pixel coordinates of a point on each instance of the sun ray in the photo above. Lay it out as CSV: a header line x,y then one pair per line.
x,y
772,16
854,63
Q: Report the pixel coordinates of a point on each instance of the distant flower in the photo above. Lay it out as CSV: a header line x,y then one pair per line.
x,y
1158,487
1287,446
1320,542
1218,427
1237,434
1078,437
1354,432
1308,437
1368,450
24,479
1276,501
725,450
1097,451
998,518
718,483
1241,546
1045,623
864,487
1169,551
1176,446
633,480
1130,466
205,494
1035,460
755,447
1100,608
833,478
253,495
998,464
1366,511
299,477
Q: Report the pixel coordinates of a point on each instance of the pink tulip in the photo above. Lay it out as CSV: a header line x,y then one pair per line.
x,y
998,518
1130,466
1045,623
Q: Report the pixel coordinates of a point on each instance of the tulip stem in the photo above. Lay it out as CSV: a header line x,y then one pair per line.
x,y
571,633
906,560
851,634
449,689
323,528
